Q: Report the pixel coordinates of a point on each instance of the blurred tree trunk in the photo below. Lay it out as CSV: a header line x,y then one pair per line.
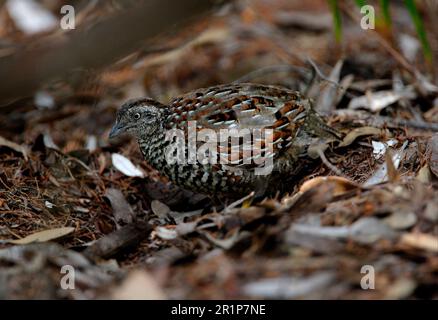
x,y
94,46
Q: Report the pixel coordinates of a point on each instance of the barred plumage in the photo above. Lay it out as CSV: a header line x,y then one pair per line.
x,y
239,107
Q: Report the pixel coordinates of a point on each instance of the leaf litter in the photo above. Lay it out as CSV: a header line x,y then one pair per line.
x,y
68,196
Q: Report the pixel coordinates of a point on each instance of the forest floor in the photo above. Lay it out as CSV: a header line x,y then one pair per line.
x,y
365,230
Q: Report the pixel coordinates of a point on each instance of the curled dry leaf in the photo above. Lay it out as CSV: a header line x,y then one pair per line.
x,y
379,148
358,132
377,101
43,236
166,233
229,242
125,166
14,146
382,173
340,185
326,100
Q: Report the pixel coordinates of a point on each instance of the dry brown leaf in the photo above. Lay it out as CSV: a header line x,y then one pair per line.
x,y
376,101
358,132
384,171
421,241
122,211
14,146
43,236
138,285
159,208
341,185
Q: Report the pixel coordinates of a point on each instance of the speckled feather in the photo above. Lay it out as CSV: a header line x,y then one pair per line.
x,y
294,123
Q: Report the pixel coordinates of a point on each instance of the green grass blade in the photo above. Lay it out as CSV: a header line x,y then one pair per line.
x,y
419,27
360,3
384,4
337,22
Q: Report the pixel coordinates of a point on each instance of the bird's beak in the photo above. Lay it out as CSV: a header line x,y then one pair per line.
x,y
116,130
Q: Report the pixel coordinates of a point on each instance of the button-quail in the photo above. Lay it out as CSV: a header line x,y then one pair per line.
x,y
270,125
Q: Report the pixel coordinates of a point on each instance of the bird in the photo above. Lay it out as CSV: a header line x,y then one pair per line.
x,y
281,122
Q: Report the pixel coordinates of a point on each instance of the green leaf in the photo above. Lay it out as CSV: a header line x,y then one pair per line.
x,y
360,3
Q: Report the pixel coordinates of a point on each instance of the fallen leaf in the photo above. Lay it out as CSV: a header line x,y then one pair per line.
x,y
377,101
369,230
401,220
125,166
138,285
14,146
381,174
327,95
229,242
315,243
340,185
401,289
185,228
424,175
160,209
289,287
122,211
420,241
409,46
358,132
43,236
379,148
166,233
365,230
31,17
431,211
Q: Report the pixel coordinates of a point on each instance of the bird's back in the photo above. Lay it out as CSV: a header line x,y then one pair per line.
x,y
234,109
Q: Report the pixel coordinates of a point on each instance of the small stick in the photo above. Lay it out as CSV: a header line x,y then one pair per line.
x,y
328,164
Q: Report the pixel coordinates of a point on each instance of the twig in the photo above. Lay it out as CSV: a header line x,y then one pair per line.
x,y
379,121
328,164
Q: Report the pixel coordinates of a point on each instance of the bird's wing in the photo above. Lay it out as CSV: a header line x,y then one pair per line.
x,y
272,116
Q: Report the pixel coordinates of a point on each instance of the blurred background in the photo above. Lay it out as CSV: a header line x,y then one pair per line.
x,y
65,68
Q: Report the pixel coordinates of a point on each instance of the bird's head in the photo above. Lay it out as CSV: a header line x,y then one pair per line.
x,y
138,117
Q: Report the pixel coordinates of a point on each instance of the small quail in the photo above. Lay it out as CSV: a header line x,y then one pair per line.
x,y
293,124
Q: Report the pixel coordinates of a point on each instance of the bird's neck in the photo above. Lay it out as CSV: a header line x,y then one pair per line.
x,y
153,146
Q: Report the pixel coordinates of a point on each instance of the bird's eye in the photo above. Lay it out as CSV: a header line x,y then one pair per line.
x,y
137,116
